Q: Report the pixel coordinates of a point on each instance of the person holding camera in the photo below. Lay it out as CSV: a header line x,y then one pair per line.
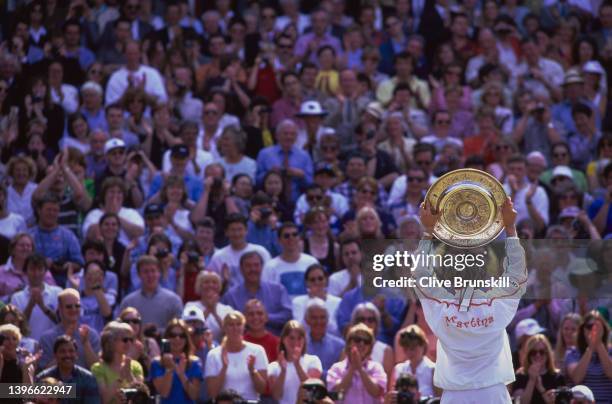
x,y
96,305
177,374
160,247
293,365
413,342
116,370
358,377
405,390
261,227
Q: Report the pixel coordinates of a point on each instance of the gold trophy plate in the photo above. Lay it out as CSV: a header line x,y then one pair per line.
x,y
470,201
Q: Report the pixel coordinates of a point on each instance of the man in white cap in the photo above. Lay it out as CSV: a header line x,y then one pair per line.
x,y
526,327
536,164
573,92
312,114
561,156
474,361
582,395
117,166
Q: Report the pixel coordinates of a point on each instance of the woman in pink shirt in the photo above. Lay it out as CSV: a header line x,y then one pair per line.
x,y
359,378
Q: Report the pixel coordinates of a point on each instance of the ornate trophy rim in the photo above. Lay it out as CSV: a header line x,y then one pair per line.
x,y
470,201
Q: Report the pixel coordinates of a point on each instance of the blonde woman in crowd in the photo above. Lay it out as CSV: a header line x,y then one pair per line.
x,y
116,370
566,337
236,364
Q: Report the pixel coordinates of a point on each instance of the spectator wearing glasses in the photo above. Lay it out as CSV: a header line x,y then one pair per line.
x,y
144,348
367,313
177,374
116,370
537,374
67,371
416,178
423,155
441,134
360,378
273,295
289,267
316,280
561,156
87,339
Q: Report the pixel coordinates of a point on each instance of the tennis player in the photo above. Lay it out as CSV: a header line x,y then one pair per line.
x,y
474,361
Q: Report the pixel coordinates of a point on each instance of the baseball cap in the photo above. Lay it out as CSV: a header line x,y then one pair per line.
x,y
193,313
582,391
311,108
572,76
153,209
112,144
562,171
593,66
375,109
179,151
529,327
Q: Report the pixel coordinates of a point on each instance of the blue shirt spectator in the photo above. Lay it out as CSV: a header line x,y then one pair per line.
x,y
177,392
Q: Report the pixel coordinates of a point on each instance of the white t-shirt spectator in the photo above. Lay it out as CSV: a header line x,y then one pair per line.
x,y
338,281
129,214
69,100
227,255
12,224
21,203
331,305
292,380
424,374
153,86
289,274
237,376
212,324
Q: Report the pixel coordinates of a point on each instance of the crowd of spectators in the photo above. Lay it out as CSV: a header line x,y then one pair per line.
x,y
185,187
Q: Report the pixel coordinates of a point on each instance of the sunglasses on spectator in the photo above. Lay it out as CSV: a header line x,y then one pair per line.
x,y
127,339
559,155
502,147
366,319
316,279
423,162
535,352
293,234
177,335
416,179
132,321
314,197
72,306
361,340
